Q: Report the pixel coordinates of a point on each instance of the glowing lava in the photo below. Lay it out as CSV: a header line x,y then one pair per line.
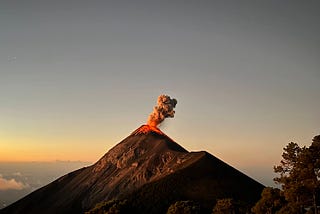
x,y
144,129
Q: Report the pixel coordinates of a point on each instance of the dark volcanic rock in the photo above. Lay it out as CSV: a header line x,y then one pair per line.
x,y
151,171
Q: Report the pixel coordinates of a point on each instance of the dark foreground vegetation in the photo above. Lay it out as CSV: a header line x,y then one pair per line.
x,y
299,176
222,206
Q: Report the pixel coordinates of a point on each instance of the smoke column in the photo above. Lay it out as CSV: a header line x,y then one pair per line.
x,y
163,110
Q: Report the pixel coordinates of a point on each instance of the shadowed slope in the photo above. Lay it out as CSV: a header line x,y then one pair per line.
x,y
204,179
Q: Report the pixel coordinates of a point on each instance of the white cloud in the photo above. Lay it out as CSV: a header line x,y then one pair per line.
x,y
9,184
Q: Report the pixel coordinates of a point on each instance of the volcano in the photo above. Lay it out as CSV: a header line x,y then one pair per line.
x,y
148,170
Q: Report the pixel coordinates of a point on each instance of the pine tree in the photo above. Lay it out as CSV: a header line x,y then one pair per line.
x,y
271,201
299,176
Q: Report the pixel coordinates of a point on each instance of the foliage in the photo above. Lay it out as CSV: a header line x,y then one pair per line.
x,y
110,207
299,176
184,207
224,206
271,201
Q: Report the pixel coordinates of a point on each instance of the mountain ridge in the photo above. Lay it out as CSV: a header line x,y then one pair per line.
x,y
142,161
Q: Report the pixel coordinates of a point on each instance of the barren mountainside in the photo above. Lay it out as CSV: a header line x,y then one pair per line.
x,y
148,169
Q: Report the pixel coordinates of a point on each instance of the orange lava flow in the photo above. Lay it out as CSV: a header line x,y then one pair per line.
x,y
144,129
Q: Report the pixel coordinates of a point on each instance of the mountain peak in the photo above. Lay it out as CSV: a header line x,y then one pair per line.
x,y
145,129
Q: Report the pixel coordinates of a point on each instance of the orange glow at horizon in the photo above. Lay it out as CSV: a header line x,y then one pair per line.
x,y
21,149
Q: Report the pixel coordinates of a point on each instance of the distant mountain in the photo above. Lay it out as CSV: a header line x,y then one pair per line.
x,y
150,171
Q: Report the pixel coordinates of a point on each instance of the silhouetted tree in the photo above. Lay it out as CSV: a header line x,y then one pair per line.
x,y
299,172
271,201
290,176
224,206
184,207
314,169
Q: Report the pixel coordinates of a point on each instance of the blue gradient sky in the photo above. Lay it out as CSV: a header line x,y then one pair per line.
x,y
76,77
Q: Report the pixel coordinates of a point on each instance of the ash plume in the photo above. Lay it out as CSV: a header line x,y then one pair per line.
x,y
163,110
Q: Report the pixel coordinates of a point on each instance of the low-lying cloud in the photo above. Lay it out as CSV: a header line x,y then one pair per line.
x,y
11,184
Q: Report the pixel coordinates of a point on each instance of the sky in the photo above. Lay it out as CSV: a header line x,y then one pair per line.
x,y
77,77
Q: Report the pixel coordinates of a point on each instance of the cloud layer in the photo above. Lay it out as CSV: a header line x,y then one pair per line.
x,y
11,184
